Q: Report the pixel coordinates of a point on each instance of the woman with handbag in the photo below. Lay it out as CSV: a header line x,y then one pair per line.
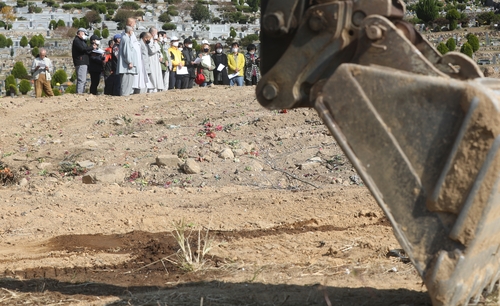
x,y
206,67
40,70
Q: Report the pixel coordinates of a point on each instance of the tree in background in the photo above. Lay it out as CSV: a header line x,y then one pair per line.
x,y
24,42
254,5
164,17
200,12
92,17
3,41
427,10
8,15
24,86
105,33
61,23
97,33
130,5
35,52
76,23
19,71
442,48
467,49
121,17
453,16
53,25
451,45
37,41
172,10
245,41
473,41
10,85
59,76
232,33
168,26
10,43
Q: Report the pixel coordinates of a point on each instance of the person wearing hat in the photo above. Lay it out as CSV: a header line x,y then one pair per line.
x,y
177,61
189,57
80,53
96,64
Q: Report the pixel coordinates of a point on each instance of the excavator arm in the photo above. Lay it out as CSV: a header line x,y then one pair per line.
x,y
422,129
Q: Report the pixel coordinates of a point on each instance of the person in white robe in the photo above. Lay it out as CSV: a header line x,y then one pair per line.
x,y
141,78
156,76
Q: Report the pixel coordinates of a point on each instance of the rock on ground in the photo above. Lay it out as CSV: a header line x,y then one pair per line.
x,y
168,160
191,167
109,175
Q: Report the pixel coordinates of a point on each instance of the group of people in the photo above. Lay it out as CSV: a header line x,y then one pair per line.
x,y
152,63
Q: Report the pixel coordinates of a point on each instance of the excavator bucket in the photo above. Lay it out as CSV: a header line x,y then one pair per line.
x,y
423,131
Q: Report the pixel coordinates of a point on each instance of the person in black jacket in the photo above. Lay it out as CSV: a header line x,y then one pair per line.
x,y
220,76
80,53
96,64
112,82
189,57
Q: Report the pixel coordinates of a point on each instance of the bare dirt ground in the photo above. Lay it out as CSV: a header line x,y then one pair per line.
x,y
289,221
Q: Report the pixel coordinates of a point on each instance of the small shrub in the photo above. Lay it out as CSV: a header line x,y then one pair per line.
x,y
24,86
35,52
71,89
56,91
12,89
169,26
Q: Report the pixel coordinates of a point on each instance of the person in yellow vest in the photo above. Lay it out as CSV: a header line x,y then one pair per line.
x,y
177,60
236,63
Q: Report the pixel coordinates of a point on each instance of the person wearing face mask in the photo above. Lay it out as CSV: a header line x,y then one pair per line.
x,y
155,59
127,62
177,61
236,63
96,64
252,69
145,40
189,58
220,59
207,66
80,54
166,64
182,74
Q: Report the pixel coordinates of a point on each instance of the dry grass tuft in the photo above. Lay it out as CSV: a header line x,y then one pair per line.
x,y
190,258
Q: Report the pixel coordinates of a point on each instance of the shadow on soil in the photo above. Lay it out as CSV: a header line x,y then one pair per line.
x,y
220,294
163,283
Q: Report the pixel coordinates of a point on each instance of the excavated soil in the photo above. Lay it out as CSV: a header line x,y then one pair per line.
x,y
283,216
